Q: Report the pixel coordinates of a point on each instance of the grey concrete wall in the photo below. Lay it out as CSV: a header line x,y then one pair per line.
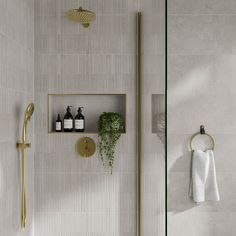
x,y
201,82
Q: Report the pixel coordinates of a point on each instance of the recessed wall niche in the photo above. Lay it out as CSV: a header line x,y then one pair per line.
x,y
158,114
94,105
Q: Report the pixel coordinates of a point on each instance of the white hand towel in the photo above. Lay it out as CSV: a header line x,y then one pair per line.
x,y
203,186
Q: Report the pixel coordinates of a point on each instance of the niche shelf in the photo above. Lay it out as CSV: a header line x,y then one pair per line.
x,y
158,113
94,105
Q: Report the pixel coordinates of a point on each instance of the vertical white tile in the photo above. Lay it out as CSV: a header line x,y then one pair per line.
x,y
16,91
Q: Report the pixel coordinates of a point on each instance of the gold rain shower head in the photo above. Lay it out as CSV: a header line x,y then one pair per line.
x,y
81,15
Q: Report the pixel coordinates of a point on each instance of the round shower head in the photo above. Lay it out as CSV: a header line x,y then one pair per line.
x,y
28,112
81,15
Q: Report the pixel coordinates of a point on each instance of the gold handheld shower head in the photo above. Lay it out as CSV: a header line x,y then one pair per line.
x,y
81,15
28,112
23,145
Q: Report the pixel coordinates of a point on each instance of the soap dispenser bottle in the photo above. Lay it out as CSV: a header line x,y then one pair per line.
x,y
79,121
68,120
58,124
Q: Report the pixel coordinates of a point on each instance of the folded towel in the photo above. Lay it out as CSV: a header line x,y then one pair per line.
x,y
203,185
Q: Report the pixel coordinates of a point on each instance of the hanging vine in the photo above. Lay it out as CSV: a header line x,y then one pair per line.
x,y
110,127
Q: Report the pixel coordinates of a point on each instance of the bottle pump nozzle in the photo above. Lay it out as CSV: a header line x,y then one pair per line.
x,y
80,109
68,108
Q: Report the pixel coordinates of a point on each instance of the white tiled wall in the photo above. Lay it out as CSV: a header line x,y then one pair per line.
x,y
75,196
201,82
153,83
16,91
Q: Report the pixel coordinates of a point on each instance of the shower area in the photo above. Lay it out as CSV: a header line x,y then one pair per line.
x,y
117,57
161,73
113,63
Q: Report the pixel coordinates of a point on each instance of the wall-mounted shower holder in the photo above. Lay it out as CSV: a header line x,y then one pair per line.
x,y
23,145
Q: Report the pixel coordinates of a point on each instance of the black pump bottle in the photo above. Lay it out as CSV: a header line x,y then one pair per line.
x,y
68,120
79,121
58,124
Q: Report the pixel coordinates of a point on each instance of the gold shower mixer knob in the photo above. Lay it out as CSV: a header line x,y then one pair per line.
x,y
85,147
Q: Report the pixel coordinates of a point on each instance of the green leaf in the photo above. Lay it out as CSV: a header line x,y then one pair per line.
x,y
110,127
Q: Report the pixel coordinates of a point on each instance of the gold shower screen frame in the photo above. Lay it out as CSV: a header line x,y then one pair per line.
x,y
138,122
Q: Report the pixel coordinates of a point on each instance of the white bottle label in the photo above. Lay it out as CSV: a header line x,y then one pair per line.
x,y
58,126
68,124
79,124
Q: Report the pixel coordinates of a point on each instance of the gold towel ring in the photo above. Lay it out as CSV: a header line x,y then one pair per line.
x,y
202,132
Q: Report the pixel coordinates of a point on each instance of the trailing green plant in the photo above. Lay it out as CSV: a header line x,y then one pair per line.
x,y
110,127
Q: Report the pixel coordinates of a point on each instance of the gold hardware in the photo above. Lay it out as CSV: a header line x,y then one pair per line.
x,y
199,133
81,15
85,147
138,122
23,145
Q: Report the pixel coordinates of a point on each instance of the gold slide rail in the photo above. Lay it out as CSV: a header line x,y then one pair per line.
x,y
23,145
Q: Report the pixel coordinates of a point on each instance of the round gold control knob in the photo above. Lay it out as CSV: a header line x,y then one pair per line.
x,y
85,147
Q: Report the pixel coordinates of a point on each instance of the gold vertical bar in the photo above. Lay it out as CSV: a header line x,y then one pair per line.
x,y
23,197
138,122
